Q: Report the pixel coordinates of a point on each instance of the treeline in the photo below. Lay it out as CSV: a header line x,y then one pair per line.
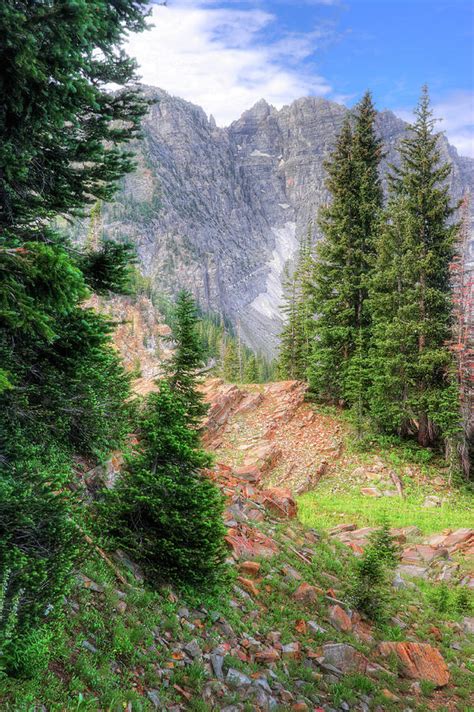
x,y
65,399
370,310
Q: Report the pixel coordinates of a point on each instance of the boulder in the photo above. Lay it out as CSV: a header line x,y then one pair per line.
x,y
279,500
305,593
418,661
340,619
345,658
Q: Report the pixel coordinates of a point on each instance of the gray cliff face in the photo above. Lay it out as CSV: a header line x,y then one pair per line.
x,y
222,211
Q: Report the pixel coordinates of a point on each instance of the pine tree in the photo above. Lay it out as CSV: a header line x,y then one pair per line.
x,y
295,338
182,369
345,255
414,390
230,365
61,126
63,391
164,511
251,374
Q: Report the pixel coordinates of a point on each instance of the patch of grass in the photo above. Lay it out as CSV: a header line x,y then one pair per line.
x,y
325,508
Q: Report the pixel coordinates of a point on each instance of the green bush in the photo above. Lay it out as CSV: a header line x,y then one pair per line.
x,y
164,512
39,545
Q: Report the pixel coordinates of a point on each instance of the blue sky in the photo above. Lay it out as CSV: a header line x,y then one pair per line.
x,y
225,55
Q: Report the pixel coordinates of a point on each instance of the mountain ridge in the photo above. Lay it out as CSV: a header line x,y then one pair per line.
x,y
221,210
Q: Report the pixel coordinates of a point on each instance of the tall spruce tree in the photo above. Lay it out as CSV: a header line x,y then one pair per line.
x,y
63,391
345,256
414,391
295,338
187,358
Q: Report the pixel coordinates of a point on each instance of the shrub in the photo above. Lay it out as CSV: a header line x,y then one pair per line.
x,y
370,584
39,546
164,512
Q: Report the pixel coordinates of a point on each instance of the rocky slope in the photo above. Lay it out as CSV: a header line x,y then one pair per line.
x,y
284,636
222,210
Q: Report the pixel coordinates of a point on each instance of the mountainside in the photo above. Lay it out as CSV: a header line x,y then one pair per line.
x,y
285,634
222,210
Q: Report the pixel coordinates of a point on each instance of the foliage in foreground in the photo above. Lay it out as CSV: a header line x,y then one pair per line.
x,y
63,391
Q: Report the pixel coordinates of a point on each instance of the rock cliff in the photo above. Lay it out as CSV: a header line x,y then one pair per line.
x,y
222,210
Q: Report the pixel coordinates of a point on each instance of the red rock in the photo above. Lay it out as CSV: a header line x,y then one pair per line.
x,y
301,627
268,656
370,492
307,593
292,651
300,707
265,458
339,619
422,553
458,538
250,567
250,473
247,543
418,661
280,501
250,402
248,585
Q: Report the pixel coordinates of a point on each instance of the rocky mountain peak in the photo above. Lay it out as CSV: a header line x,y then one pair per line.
x,y
222,210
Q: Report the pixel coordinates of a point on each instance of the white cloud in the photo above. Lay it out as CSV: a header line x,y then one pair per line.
x,y
456,114
225,59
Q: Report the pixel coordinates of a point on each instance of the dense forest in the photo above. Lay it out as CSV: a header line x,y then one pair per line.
x,y
372,310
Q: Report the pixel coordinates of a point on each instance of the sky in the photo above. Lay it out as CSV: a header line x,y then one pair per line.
x,y
225,55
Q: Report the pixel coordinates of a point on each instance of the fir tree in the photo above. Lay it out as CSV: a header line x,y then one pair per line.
x,y
164,511
295,338
63,391
230,364
251,374
187,358
414,390
345,256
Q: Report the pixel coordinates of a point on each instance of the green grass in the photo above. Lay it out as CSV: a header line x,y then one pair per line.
x,y
324,508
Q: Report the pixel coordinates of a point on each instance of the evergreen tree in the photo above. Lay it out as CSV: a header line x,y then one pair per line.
x,y
295,337
61,128
187,358
63,392
414,391
345,255
251,374
164,511
230,364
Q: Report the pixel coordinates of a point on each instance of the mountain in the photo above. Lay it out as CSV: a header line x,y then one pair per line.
x,y
221,210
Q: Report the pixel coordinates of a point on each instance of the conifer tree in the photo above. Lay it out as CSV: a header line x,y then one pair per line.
x,y
414,391
164,511
230,365
295,338
63,391
251,374
187,358
345,255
